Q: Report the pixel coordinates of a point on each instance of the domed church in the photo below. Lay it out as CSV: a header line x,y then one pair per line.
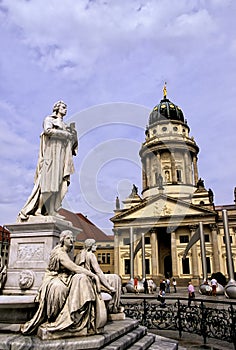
x,y
167,212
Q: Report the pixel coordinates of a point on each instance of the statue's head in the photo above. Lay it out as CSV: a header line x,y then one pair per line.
x,y
57,105
90,243
64,234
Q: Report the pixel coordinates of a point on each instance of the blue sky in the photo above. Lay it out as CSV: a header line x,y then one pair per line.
x,y
108,61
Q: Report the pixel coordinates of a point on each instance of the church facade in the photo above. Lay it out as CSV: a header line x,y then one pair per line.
x,y
169,208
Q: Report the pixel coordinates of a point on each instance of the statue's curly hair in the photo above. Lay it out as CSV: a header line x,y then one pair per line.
x,y
63,234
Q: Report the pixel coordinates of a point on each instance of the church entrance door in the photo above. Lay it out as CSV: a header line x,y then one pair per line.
x,y
168,266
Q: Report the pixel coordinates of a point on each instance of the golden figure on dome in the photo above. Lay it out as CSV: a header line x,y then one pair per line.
x,y
164,90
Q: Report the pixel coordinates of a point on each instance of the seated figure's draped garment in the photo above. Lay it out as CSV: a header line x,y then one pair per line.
x,y
88,260
67,300
55,163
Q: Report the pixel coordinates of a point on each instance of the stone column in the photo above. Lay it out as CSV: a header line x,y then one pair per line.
x,y
158,163
136,239
148,171
215,248
174,254
195,170
195,271
131,235
173,167
144,174
143,256
154,249
186,166
116,253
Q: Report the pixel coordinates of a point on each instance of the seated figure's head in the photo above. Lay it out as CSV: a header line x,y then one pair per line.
x,y
68,235
90,244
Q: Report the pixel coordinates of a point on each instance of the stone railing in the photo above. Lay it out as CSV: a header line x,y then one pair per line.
x,y
207,318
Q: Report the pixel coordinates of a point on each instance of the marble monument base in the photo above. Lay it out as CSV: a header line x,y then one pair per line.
x,y
31,244
126,334
44,334
116,317
16,310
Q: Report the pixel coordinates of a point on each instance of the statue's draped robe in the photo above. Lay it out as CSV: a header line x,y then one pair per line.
x,y
55,164
88,260
67,300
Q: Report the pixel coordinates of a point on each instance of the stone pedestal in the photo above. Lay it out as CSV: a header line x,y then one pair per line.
x,y
30,247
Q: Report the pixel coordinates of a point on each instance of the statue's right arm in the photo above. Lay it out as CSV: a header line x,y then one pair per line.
x,y
50,130
71,266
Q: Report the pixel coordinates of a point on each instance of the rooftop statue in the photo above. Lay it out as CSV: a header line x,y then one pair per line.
x,y
69,297
110,283
200,184
58,144
164,91
134,191
160,182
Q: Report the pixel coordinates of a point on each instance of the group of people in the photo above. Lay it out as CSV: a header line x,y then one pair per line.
x,y
165,288
210,289
211,286
166,283
147,284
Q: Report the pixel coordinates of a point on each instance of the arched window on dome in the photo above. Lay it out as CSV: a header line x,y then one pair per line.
x,y
179,175
167,176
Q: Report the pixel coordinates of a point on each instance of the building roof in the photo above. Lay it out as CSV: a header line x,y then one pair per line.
x,y
4,234
166,110
89,230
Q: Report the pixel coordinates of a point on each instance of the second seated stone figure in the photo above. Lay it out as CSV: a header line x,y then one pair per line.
x,y
58,144
69,298
110,282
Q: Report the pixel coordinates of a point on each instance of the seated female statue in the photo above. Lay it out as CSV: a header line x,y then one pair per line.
x,y
69,297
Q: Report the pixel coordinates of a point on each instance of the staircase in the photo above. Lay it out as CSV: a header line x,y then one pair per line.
x,y
118,335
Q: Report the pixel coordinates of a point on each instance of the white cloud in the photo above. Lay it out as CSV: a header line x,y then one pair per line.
x,y
93,52
80,38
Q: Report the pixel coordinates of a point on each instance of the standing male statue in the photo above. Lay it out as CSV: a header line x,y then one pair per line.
x,y
58,144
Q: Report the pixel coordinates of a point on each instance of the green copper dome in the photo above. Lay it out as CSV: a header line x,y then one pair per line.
x,y
166,110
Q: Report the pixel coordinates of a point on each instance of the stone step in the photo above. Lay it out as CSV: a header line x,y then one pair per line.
x,y
162,343
144,343
127,340
112,332
118,335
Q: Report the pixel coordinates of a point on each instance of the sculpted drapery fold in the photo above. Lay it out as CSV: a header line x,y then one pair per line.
x,y
69,297
58,144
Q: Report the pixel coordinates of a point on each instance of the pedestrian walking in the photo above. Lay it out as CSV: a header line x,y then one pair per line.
x,y
174,283
214,285
151,286
191,293
136,285
167,285
162,285
208,287
145,286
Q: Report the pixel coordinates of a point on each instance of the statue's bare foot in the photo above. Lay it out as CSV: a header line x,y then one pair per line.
x,y
38,213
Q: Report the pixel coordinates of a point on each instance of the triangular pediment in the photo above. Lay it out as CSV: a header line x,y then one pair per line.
x,y
161,206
